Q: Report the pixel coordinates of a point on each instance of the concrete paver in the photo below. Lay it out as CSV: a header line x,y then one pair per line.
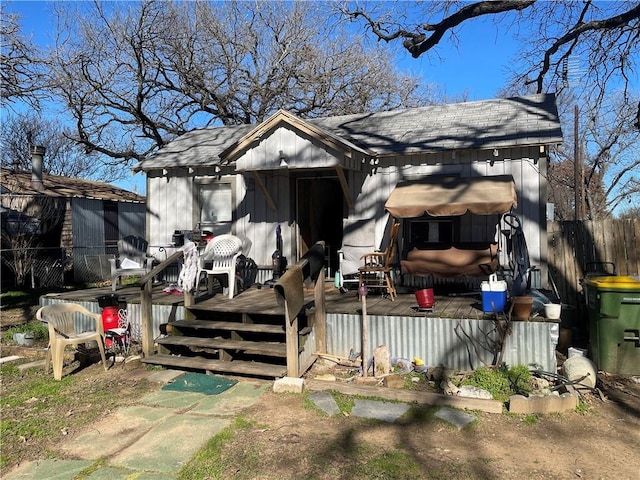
x,y
326,402
167,447
386,411
49,469
153,439
457,418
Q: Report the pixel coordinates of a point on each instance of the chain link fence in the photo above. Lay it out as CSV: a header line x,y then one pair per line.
x,y
55,267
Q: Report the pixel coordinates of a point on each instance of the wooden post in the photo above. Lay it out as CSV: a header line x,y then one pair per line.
x,y
146,310
146,303
189,300
293,348
362,291
320,315
578,170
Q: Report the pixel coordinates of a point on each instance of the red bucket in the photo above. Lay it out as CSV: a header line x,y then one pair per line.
x,y
425,298
109,318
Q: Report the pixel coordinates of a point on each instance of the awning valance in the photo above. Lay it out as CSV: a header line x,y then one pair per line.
x,y
447,196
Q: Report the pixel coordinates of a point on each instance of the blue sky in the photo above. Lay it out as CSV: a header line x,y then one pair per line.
x,y
475,69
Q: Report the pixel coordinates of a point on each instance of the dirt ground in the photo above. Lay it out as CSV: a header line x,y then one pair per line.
x,y
295,441
291,440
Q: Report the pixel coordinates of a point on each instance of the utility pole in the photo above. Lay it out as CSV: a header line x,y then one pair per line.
x,y
578,170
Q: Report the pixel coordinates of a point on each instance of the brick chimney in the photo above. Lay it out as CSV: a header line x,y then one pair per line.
x,y
37,154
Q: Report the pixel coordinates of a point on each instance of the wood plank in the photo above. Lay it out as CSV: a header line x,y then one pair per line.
x,y
233,367
274,349
229,326
427,398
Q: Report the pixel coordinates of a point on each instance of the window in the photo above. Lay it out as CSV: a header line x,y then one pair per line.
x,y
216,207
430,231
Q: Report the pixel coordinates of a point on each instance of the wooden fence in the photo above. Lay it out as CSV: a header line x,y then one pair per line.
x,y
578,248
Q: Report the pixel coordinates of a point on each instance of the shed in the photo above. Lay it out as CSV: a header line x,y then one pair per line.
x,y
85,219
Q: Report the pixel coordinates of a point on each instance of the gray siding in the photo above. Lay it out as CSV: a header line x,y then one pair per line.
x,y
132,218
172,196
89,252
88,223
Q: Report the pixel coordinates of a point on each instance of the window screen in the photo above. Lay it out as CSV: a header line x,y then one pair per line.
x,y
216,207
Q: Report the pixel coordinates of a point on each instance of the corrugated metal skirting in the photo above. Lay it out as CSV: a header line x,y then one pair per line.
x,y
443,341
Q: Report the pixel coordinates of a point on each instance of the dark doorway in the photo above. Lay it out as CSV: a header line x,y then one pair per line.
x,y
319,216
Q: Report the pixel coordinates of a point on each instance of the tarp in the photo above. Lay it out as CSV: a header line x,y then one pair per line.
x,y
448,196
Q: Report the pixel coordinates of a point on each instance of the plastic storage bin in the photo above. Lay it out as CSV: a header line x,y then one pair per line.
x,y
494,295
613,304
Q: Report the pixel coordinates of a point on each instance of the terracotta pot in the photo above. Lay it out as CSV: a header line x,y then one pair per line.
x,y
522,306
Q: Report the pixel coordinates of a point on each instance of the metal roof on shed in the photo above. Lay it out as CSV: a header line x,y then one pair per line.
x,y
19,183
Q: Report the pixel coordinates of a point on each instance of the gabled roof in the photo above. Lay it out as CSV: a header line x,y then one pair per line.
x,y
282,117
500,123
19,183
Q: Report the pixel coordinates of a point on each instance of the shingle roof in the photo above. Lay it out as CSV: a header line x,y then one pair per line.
x,y
499,123
19,183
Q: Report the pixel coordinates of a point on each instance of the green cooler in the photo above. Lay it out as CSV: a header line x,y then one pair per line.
x,y
613,303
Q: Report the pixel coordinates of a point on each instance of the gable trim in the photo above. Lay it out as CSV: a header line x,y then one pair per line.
x,y
282,117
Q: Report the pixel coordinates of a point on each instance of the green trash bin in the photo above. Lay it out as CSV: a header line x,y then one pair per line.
x,y
613,304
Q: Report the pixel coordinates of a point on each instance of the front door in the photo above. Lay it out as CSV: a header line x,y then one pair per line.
x,y
319,206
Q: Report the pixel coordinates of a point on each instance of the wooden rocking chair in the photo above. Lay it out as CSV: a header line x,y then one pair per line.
x,y
376,272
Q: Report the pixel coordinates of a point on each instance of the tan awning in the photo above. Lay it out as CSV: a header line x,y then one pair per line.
x,y
448,196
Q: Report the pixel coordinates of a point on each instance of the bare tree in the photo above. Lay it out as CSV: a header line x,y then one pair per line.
x,y
603,37
610,151
19,69
135,78
612,146
63,156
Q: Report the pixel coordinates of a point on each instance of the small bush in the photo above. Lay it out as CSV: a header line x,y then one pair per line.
x,y
500,382
491,379
520,379
39,331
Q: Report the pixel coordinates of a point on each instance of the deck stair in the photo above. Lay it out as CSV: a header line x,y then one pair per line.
x,y
238,343
264,337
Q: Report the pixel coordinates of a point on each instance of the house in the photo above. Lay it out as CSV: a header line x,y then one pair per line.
x,y
324,178
74,223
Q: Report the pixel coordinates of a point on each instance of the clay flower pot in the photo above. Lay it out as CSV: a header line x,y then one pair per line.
x,y
522,306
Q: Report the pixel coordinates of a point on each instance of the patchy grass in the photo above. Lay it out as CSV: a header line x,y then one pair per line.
x,y
38,411
215,460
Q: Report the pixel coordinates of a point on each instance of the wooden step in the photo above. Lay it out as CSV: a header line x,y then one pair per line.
x,y
230,326
238,367
273,349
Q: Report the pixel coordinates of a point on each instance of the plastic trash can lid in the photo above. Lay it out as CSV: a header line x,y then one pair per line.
x,y
614,282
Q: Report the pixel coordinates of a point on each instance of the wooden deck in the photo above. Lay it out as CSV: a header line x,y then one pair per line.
x,y
248,334
263,301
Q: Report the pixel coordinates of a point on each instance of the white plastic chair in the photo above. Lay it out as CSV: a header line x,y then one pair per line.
x,y
60,318
132,260
222,251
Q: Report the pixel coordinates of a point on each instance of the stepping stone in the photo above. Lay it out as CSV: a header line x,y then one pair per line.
x,y
455,417
386,411
325,402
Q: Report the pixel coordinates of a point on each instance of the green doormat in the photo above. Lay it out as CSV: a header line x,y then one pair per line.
x,y
200,383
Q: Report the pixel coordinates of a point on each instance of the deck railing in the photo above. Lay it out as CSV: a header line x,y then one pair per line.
x,y
289,291
146,304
